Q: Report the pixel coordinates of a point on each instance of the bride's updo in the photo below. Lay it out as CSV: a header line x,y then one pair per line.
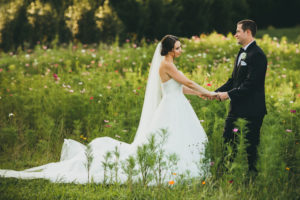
x,y
167,44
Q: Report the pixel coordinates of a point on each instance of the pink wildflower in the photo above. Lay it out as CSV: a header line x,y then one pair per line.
x,y
55,76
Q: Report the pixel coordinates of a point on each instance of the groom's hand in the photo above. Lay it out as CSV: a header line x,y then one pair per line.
x,y
223,96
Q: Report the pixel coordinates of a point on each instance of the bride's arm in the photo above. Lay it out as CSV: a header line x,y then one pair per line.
x,y
179,77
187,90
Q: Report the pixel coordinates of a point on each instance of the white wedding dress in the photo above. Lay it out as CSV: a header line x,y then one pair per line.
x,y
165,106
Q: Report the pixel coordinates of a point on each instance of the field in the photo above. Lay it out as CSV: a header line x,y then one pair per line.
x,y
291,34
88,91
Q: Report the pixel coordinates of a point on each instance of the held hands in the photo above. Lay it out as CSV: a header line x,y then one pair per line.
x,y
221,96
210,96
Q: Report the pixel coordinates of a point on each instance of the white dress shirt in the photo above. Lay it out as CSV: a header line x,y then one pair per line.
x,y
245,48
240,56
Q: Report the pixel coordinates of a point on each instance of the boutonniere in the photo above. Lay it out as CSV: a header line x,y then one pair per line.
x,y
243,56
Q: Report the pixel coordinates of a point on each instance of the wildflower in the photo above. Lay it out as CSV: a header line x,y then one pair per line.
x,y
106,121
201,120
287,168
235,130
288,130
203,182
171,182
127,40
117,136
80,83
174,173
91,98
1,69
134,45
293,111
108,87
118,61
212,163
231,181
55,76
71,91
81,136
10,114
45,86
291,102
208,84
84,138
107,126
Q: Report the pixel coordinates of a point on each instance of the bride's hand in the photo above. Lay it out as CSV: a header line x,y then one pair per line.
x,y
212,95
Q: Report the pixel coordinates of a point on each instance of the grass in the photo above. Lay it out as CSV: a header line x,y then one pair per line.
x,y
84,92
291,34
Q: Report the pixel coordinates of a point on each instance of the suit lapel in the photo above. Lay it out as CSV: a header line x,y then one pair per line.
x,y
238,65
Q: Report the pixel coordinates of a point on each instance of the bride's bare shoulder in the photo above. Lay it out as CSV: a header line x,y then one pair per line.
x,y
165,65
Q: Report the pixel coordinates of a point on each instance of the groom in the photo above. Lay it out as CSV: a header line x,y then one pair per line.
x,y
246,89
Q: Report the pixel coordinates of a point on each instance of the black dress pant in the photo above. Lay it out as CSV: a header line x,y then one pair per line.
x,y
252,136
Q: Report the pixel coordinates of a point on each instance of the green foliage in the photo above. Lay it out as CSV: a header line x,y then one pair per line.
x,y
8,138
84,92
23,24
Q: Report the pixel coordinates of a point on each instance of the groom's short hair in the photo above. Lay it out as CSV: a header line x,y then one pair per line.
x,y
249,24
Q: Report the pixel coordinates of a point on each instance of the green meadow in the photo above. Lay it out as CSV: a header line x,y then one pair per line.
x,y
88,91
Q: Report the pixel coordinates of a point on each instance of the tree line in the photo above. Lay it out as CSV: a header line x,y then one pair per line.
x,y
24,23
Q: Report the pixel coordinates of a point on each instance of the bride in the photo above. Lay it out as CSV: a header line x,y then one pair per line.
x,y
165,107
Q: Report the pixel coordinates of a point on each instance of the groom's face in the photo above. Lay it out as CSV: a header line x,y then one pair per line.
x,y
241,35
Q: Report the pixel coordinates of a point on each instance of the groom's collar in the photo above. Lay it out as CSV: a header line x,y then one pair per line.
x,y
246,47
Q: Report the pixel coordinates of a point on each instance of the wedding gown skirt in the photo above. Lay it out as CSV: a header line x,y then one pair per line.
x,y
186,138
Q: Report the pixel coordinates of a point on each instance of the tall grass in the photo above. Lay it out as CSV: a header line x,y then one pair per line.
x,y
84,92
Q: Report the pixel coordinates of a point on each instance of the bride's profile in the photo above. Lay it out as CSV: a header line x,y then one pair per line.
x,y
165,107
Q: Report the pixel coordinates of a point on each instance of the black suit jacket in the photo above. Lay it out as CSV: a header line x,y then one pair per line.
x,y
246,87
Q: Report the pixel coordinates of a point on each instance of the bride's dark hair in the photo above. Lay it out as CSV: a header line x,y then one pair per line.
x,y
167,44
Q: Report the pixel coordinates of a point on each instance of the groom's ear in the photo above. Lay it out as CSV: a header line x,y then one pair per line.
x,y
248,31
